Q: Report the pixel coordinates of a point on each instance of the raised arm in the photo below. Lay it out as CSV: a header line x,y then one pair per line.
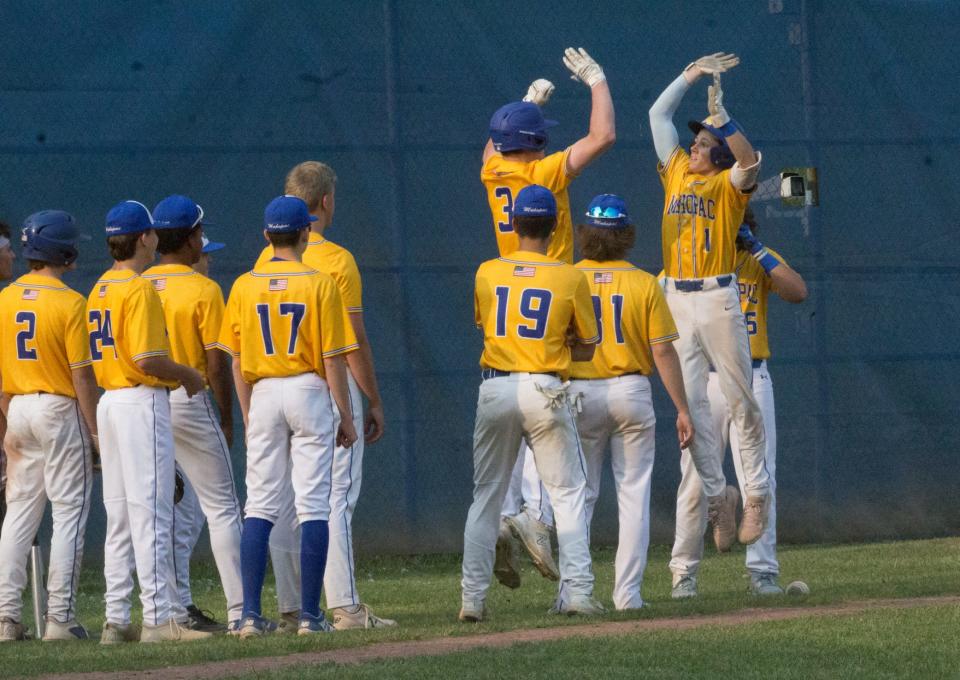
x,y
784,280
603,129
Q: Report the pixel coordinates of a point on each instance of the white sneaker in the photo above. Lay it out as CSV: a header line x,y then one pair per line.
x,y
535,536
171,631
584,605
69,631
310,625
505,564
473,611
722,515
684,587
12,631
765,584
344,619
289,622
115,634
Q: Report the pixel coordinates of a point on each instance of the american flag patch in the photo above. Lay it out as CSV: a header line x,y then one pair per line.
x,y
603,277
520,270
103,291
159,284
30,294
278,284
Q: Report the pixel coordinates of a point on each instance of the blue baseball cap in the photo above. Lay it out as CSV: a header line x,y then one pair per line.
x,y
285,214
211,246
608,211
176,212
128,217
535,201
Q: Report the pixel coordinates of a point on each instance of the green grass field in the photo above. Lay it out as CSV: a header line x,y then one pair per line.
x,y
422,593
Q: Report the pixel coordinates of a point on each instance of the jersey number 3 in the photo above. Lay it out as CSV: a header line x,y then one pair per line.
x,y
534,306
504,193
295,311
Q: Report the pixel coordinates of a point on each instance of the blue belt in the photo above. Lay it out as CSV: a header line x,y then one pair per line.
x,y
693,285
757,363
488,373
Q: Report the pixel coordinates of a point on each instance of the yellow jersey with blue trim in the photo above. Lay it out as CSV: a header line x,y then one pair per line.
x,y
328,257
284,318
701,216
632,315
755,284
525,304
504,177
193,309
125,323
43,336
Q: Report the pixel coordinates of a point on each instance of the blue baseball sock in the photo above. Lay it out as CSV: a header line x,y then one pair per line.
x,y
254,544
314,539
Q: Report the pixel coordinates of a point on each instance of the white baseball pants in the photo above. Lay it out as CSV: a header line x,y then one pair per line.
x,y
692,503
509,409
619,412
188,522
203,455
48,458
713,333
339,578
136,451
526,490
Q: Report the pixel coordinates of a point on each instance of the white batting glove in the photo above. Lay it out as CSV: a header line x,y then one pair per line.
x,y
714,63
584,68
539,92
718,115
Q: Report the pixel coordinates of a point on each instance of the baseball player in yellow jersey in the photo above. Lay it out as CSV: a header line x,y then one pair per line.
x,y
50,396
613,390
7,257
525,303
315,183
202,425
705,194
287,328
514,157
131,358
759,271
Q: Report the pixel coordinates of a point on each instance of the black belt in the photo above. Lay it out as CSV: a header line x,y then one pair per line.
x,y
488,373
693,285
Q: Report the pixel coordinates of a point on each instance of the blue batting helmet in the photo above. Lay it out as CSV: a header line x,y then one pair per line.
x,y
50,236
519,125
721,155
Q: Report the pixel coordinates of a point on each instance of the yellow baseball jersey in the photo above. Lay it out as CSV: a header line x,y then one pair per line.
x,y
193,310
125,322
701,216
336,261
43,336
284,318
504,178
632,315
525,304
754,284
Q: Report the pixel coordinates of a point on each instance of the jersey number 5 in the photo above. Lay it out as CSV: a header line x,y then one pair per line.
x,y
616,302
103,335
505,193
26,335
534,306
295,311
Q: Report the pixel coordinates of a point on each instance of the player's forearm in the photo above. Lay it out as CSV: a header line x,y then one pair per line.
x,y
668,366
665,135
88,394
742,150
243,389
582,352
361,368
219,378
788,284
335,369
488,150
603,124
165,368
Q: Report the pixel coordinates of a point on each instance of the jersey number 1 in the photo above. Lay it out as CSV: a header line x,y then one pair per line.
x,y
295,311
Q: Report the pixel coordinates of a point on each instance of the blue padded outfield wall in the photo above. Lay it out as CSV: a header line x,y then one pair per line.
x,y
111,100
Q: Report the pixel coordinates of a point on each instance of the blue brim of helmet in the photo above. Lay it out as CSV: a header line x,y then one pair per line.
x,y
213,247
696,126
547,123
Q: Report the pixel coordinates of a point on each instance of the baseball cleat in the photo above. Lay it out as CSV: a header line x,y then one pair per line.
x,y
199,619
684,587
255,626
289,622
472,611
582,605
68,632
754,520
505,564
535,537
114,633
12,631
722,514
362,617
171,631
311,625
765,584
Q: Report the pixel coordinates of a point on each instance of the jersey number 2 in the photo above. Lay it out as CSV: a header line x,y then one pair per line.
x,y
616,301
295,311
26,335
534,306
